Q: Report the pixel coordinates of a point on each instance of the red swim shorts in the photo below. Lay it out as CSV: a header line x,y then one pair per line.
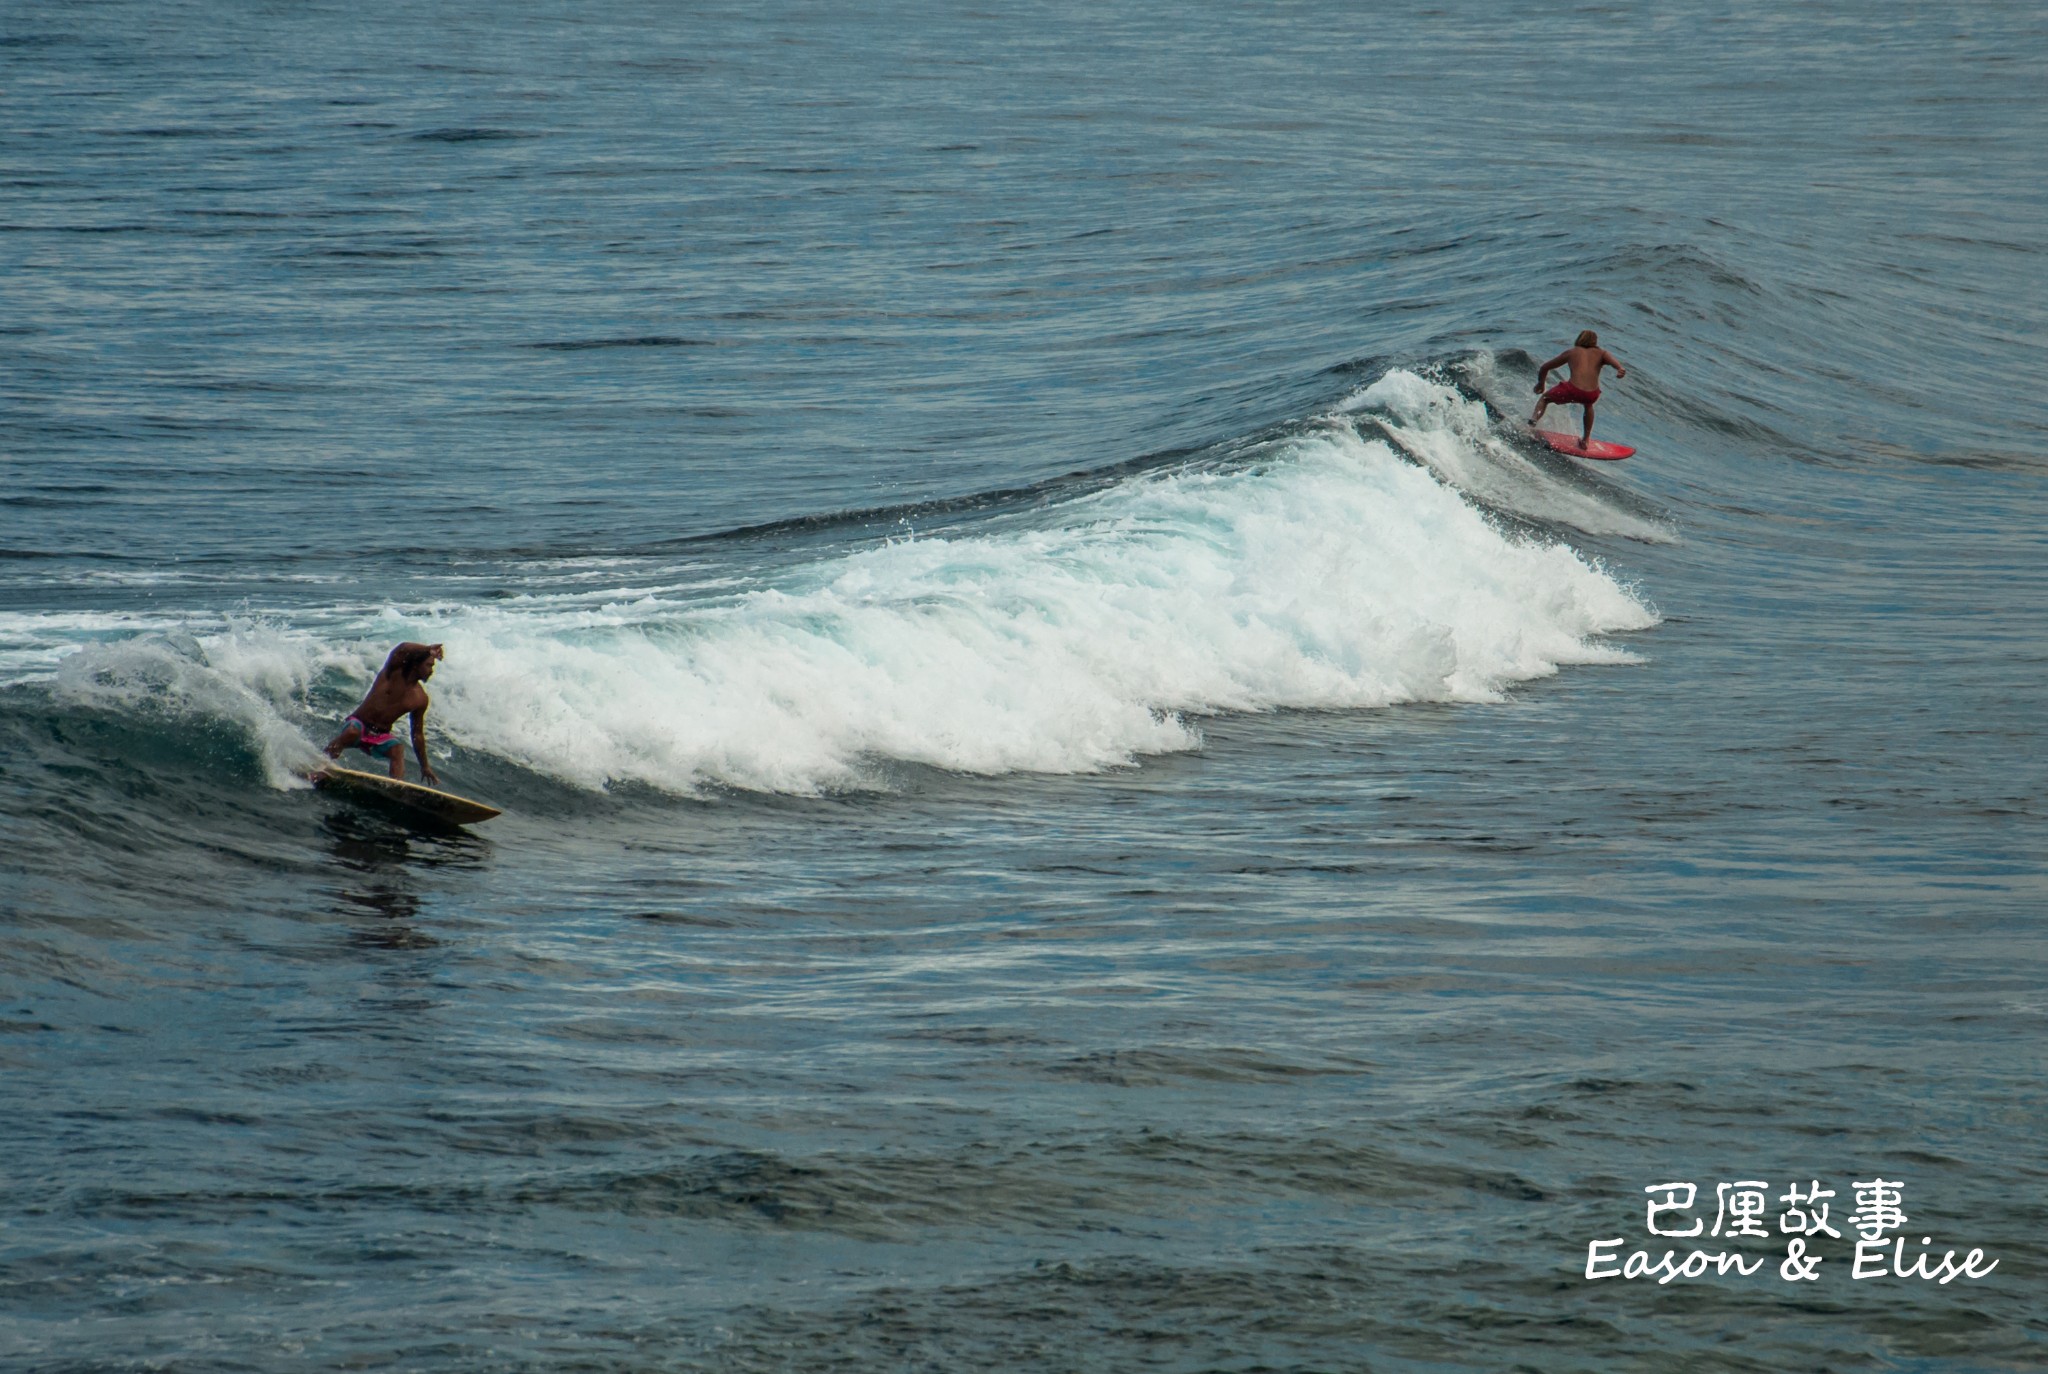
x,y
1564,393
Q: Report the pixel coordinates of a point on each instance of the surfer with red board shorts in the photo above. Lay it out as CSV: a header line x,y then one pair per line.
x,y
396,692
1582,361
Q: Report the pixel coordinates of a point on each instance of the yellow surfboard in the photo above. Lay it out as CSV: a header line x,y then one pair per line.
x,y
428,801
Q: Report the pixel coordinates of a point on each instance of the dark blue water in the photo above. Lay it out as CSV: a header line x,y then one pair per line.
x,y
1078,793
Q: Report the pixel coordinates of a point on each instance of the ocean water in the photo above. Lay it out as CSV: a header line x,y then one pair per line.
x,y
1078,794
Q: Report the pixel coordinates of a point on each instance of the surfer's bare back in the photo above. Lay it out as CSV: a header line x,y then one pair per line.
x,y
1583,361
396,692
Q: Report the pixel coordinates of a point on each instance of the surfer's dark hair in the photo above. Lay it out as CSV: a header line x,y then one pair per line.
x,y
409,661
1588,339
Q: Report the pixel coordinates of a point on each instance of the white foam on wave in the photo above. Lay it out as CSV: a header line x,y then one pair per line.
x,y
1332,574
1455,438
252,675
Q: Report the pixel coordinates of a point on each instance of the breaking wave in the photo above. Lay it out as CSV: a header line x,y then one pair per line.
x,y
1318,570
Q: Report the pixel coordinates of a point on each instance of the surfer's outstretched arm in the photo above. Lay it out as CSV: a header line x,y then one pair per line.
x,y
1542,376
419,746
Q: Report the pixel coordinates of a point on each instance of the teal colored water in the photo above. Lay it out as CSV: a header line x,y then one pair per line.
x,y
1078,793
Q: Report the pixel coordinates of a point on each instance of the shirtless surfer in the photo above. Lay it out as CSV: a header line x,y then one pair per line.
x,y
1583,361
396,692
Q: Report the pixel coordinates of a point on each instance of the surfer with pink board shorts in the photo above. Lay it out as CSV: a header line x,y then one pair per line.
x,y
396,692
1582,362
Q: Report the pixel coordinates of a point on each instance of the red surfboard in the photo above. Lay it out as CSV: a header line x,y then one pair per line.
x,y
1569,443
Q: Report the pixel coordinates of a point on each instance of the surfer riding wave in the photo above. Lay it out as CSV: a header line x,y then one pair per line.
x,y
396,692
1582,361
